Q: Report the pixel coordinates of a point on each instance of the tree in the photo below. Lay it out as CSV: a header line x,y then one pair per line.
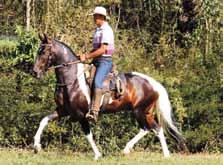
x,y
28,12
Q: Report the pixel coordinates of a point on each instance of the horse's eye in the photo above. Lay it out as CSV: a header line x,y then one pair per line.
x,y
40,50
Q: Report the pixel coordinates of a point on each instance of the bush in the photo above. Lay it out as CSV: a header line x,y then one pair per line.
x,y
146,41
7,47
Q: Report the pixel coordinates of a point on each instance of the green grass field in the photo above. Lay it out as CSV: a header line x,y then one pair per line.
x,y
27,157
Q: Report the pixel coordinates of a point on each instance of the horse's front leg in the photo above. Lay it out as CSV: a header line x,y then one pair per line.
x,y
43,124
87,131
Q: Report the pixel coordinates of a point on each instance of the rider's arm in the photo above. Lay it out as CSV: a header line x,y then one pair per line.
x,y
97,52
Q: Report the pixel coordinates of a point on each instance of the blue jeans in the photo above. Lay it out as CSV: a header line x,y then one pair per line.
x,y
103,67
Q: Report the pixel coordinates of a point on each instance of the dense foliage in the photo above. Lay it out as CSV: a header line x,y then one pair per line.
x,y
178,42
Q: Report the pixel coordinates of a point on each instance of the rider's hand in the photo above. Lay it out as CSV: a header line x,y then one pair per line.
x,y
83,57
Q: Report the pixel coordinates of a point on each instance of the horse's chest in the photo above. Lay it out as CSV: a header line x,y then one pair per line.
x,y
71,103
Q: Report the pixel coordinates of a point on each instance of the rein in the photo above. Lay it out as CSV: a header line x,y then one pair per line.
x,y
70,63
60,65
64,65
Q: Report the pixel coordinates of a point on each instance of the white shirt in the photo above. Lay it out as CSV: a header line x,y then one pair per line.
x,y
104,35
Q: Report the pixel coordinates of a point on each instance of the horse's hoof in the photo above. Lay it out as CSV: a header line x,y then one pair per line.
x,y
96,157
126,151
37,148
167,155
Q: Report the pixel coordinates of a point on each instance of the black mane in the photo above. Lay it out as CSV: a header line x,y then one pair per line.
x,y
69,50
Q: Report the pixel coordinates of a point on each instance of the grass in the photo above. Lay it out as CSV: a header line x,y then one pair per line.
x,y
7,47
27,157
10,44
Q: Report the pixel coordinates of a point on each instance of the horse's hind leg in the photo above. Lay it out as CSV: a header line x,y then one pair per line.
x,y
140,117
87,131
134,140
159,133
152,124
43,124
146,121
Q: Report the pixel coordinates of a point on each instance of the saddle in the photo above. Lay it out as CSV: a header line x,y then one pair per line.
x,y
113,85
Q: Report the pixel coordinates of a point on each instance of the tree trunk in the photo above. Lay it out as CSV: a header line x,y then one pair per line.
x,y
28,9
47,16
33,14
206,40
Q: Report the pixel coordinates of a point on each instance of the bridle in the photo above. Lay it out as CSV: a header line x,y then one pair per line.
x,y
59,65
62,65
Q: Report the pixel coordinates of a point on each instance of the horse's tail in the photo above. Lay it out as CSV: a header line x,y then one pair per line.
x,y
164,109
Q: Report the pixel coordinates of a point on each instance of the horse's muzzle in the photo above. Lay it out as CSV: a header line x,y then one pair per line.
x,y
37,74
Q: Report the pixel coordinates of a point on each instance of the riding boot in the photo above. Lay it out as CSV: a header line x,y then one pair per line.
x,y
95,105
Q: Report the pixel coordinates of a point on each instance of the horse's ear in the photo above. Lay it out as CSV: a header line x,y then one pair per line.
x,y
45,36
47,39
40,37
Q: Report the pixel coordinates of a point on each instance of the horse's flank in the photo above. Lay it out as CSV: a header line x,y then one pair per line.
x,y
142,95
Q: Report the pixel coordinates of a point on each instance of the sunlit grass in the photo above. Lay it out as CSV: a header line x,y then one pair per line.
x,y
8,156
7,44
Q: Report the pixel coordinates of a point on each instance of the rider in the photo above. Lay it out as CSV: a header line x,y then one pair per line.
x,y
103,48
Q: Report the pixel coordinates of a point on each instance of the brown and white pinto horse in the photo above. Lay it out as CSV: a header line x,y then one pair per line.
x,y
142,95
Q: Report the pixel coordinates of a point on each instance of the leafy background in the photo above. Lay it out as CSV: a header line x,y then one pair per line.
x,y
178,42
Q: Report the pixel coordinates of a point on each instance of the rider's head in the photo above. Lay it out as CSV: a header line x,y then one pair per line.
x,y
100,15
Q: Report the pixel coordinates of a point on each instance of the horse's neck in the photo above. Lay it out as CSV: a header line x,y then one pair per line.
x,y
64,55
65,75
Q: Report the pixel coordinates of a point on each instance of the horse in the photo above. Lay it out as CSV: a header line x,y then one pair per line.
x,y
142,96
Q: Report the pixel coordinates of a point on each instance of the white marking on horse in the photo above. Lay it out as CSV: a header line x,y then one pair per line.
x,y
134,140
64,50
43,124
162,139
163,103
82,82
93,145
156,85
164,106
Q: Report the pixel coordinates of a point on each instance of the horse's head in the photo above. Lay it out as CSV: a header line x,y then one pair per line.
x,y
45,56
